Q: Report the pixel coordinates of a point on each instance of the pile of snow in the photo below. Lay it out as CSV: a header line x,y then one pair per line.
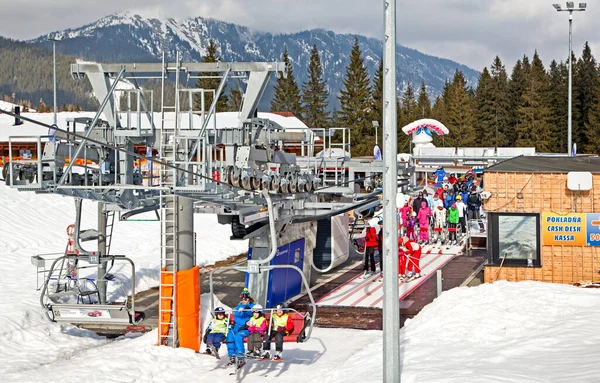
x,y
501,332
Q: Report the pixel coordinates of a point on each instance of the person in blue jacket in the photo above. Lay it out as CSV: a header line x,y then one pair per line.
x,y
239,329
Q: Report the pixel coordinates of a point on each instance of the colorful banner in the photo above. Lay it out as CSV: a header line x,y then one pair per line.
x,y
593,229
565,229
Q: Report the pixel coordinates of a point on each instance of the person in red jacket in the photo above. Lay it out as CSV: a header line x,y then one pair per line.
x,y
413,254
371,244
401,260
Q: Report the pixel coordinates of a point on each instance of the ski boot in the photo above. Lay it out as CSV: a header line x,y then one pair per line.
x,y
241,362
232,360
213,351
278,356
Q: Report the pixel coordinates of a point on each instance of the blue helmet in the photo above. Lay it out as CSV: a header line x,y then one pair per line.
x,y
219,310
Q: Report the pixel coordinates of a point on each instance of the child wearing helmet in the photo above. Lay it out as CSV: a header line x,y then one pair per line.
x,y
281,324
239,330
215,332
452,222
423,216
462,213
257,326
410,227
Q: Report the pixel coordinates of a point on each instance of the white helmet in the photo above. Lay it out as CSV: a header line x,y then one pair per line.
x,y
257,308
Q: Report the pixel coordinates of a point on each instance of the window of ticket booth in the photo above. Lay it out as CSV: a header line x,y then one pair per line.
x,y
515,237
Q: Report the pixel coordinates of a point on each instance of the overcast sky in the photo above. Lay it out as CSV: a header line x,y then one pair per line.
x,y
470,32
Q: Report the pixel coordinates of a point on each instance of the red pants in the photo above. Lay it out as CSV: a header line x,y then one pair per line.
x,y
413,263
401,263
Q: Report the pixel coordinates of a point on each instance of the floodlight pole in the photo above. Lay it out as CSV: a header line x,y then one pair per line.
x,y
570,8
391,305
54,40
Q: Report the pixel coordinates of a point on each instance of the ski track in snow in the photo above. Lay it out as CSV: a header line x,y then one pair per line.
x,y
501,332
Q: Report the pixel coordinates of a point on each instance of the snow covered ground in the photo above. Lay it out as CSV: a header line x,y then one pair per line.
x,y
504,332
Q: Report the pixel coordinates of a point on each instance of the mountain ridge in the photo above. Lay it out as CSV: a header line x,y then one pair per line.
x,y
130,37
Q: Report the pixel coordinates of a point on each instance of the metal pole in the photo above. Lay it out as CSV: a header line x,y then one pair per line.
x,y
570,131
54,59
101,279
391,304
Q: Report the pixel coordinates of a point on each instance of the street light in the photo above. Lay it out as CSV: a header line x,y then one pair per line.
x,y
570,8
54,38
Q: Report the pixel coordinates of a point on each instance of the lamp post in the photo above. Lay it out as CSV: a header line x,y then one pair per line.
x,y
570,8
54,38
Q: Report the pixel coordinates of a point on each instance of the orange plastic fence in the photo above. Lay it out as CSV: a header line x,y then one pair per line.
x,y
188,307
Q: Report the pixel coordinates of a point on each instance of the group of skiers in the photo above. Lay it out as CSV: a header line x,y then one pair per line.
x,y
454,201
248,321
409,253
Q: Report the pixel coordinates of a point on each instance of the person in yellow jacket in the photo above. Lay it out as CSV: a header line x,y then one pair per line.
x,y
216,332
281,325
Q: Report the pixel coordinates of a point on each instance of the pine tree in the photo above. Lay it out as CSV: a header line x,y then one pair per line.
x,y
484,110
438,112
356,104
378,95
287,94
535,120
423,103
516,88
460,109
558,103
234,104
500,103
210,83
315,94
409,106
592,127
585,82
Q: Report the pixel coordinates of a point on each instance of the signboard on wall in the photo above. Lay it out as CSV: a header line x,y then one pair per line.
x,y
574,229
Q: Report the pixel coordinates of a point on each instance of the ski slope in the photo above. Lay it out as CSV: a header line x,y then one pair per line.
x,y
501,332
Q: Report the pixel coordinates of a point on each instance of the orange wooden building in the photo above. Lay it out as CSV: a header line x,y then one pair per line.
x,y
543,219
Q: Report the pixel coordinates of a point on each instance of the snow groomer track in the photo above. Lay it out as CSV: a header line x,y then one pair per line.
x,y
351,301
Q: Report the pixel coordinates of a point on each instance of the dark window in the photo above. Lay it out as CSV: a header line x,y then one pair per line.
x,y
514,237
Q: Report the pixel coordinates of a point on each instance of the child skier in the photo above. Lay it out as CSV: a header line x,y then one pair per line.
x,y
423,216
281,325
257,326
410,226
439,215
405,214
215,332
452,222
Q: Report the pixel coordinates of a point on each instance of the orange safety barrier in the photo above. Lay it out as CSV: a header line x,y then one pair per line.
x,y
188,307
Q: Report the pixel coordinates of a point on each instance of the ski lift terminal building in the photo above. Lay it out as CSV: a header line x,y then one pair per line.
x,y
544,219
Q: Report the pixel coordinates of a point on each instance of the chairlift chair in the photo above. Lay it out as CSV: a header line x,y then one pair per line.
x,y
303,321
65,293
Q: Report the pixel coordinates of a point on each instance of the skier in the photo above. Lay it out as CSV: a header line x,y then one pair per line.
x,y
452,222
449,199
401,260
380,248
215,332
473,204
371,246
410,227
257,326
439,215
404,214
452,179
423,216
439,174
418,202
280,326
413,253
239,329
462,213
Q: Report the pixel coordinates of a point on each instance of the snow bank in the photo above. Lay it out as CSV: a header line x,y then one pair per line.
x,y
501,332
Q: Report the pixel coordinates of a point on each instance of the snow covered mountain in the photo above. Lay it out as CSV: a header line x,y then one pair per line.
x,y
128,37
